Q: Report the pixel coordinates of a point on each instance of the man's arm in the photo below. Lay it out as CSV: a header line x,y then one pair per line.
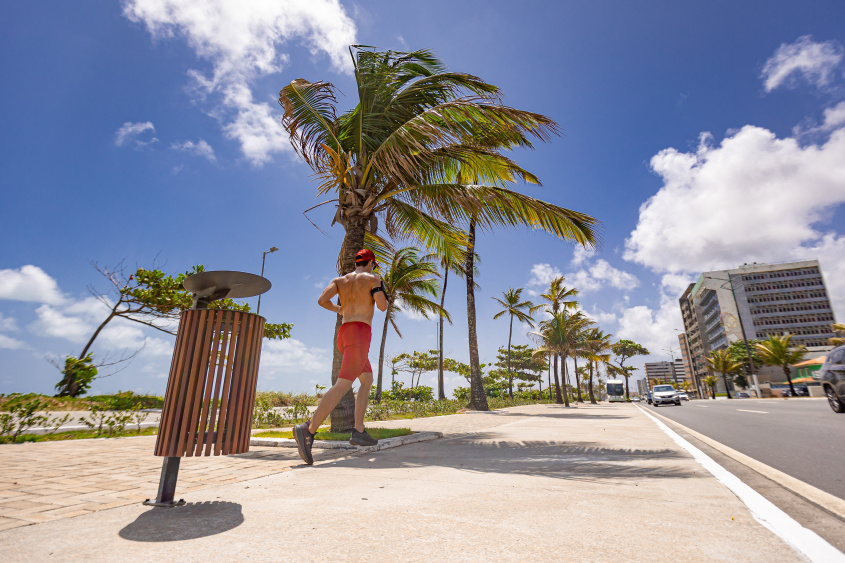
x,y
325,300
379,296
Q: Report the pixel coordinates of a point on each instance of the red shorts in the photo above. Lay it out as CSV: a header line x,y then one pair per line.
x,y
353,341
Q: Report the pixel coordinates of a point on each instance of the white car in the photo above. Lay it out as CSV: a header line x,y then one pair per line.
x,y
683,395
664,394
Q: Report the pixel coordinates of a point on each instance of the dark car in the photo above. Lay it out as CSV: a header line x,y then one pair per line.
x,y
742,395
832,376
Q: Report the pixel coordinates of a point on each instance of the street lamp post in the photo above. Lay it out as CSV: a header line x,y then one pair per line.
x,y
263,258
741,328
674,373
692,363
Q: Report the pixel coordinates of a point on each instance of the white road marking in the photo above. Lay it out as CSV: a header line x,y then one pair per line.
x,y
761,412
806,542
702,406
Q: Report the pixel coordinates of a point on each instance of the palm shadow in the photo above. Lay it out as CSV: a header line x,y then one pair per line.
x,y
191,521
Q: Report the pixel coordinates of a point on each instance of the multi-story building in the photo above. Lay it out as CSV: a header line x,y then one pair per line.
x,y
755,301
686,360
672,372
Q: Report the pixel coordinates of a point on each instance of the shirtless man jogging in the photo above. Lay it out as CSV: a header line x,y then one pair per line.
x,y
358,291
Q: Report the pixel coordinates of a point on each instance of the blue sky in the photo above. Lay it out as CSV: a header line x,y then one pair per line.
x,y
700,135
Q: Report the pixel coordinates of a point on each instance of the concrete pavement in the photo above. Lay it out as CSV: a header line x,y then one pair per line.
x,y
540,482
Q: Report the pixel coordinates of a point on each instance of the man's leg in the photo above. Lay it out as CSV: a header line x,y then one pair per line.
x,y
361,399
330,401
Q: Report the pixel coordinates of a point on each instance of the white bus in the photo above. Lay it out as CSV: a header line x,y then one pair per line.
x,y
616,391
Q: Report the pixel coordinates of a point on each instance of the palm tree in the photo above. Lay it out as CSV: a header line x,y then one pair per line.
x,y
710,381
514,308
558,336
581,348
407,281
837,340
721,362
775,351
396,158
599,351
456,265
557,296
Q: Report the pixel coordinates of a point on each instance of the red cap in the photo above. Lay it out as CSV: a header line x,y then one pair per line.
x,y
365,255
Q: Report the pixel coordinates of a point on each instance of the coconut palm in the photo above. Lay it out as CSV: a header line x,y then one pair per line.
x,y
598,352
407,281
557,296
710,381
513,307
837,340
450,263
720,361
396,159
775,351
581,348
558,336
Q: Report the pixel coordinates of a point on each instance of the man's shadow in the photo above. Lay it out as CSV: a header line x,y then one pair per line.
x,y
191,521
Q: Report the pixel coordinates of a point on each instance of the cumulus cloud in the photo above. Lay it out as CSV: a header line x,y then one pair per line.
x,y
654,328
592,276
29,283
581,254
8,324
242,42
9,343
54,323
814,62
293,356
753,197
200,148
137,134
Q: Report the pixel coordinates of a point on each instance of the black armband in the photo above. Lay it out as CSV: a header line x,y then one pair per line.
x,y
375,290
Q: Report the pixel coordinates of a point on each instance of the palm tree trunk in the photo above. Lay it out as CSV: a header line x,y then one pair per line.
x,y
550,378
592,396
558,398
510,376
381,351
728,391
577,378
789,380
441,389
343,415
565,379
478,398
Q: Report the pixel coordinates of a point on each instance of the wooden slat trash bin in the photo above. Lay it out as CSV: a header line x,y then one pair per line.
x,y
210,393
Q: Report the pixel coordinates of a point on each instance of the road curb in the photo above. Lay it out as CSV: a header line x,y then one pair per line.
x,y
825,500
384,444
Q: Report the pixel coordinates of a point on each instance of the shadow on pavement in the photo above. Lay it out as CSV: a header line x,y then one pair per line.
x,y
191,521
487,453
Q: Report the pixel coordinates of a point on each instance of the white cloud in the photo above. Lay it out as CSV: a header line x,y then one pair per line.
x,y
834,117
135,133
414,316
29,283
241,40
200,148
752,198
9,343
653,328
292,356
591,277
52,322
581,254
815,62
8,324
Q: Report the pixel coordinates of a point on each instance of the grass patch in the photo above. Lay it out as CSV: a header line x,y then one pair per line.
x,y
78,435
377,433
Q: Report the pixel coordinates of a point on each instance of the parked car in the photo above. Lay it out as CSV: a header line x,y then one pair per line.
x,y
742,395
663,394
832,376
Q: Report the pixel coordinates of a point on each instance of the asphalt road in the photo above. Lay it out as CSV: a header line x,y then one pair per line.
x,y
803,438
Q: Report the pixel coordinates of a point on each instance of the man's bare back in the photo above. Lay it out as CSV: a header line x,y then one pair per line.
x,y
356,301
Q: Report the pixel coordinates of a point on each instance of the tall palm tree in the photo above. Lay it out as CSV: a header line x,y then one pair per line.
x,y
456,265
558,336
395,159
581,348
775,351
557,296
407,281
514,308
598,352
720,361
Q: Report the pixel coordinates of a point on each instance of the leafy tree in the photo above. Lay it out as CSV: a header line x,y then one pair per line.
x,y
721,362
737,353
623,350
407,282
416,363
776,351
396,159
148,297
838,328
513,307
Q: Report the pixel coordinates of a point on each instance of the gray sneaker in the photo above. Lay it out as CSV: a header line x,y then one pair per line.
x,y
304,440
362,439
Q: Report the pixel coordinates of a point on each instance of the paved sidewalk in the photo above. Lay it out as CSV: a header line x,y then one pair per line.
x,y
593,483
